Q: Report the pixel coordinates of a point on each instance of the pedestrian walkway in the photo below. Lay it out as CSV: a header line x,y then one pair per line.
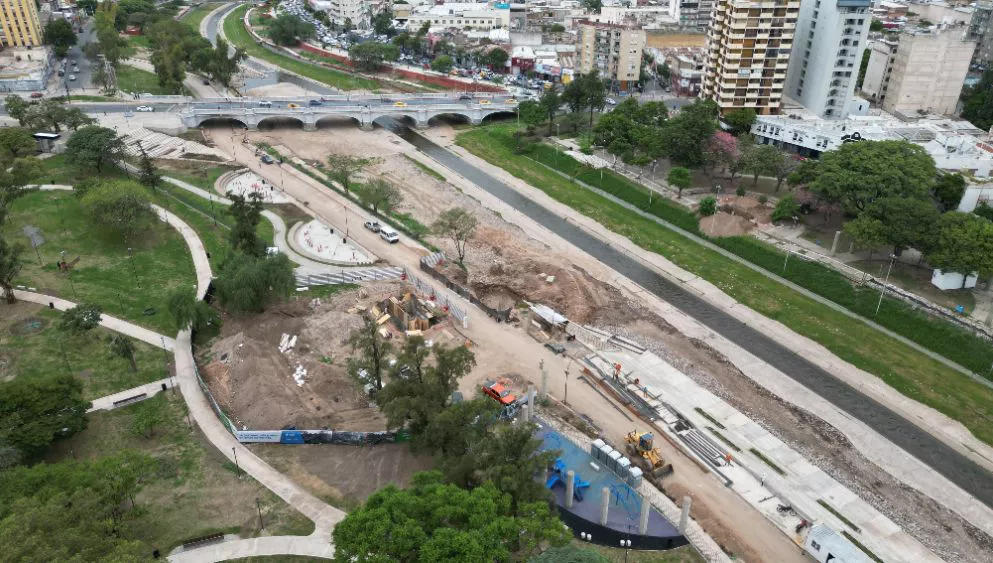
x,y
311,546
131,396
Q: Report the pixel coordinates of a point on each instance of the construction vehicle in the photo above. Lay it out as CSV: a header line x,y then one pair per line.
x,y
641,448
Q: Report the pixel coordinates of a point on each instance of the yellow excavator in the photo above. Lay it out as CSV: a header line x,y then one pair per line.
x,y
641,448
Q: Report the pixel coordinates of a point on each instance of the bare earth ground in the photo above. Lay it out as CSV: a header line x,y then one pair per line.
x,y
737,216
504,266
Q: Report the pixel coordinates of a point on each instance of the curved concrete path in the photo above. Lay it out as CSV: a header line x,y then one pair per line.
x,y
324,516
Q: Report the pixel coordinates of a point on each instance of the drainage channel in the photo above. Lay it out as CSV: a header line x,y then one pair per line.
x,y
925,447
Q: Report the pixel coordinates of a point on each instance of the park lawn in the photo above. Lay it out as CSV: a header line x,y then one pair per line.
x,y
905,369
35,348
237,35
137,81
56,170
104,273
617,555
193,490
196,15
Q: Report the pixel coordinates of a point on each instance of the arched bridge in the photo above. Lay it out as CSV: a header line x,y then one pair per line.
x,y
416,111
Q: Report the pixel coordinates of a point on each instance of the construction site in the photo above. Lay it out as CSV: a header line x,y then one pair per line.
x,y
621,358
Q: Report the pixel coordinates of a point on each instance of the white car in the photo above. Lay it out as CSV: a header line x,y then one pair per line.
x,y
144,108
72,78
611,101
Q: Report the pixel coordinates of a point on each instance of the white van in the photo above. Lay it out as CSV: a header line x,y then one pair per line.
x,y
265,104
388,234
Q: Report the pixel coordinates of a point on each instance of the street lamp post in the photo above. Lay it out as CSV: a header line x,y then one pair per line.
x,y
134,270
234,450
885,281
713,220
259,507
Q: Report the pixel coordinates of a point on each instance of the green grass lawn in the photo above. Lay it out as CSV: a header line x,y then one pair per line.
x,y
196,15
910,372
135,80
918,280
55,170
104,273
33,347
618,555
193,490
234,30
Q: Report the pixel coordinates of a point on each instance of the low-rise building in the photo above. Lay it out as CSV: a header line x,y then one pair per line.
x,y
460,15
25,69
613,50
954,144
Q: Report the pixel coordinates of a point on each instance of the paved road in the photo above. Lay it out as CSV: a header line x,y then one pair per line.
x,y
919,443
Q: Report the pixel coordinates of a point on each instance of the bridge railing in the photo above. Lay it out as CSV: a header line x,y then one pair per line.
x,y
335,98
321,110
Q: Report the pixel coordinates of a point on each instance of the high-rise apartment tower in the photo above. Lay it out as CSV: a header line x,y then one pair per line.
x,y
19,23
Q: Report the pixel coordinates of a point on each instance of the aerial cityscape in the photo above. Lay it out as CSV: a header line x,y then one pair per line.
x,y
549,281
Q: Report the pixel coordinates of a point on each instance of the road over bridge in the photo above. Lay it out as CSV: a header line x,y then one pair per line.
x,y
415,110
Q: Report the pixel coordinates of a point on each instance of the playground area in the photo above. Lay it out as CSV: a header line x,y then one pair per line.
x,y
324,243
591,477
248,183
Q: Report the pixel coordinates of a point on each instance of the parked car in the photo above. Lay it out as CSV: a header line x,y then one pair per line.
x,y
144,108
499,392
372,226
611,102
36,94
555,348
72,78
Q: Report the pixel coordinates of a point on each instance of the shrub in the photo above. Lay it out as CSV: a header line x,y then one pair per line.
x,y
763,199
708,206
740,192
787,208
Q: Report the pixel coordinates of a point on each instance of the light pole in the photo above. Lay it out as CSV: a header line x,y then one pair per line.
x,y
713,219
133,269
234,450
259,507
885,281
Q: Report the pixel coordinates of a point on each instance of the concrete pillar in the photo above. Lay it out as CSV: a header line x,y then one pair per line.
x,y
834,244
309,126
367,126
525,414
604,505
643,519
544,381
531,395
684,518
570,485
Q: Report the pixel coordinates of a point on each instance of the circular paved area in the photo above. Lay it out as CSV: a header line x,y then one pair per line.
x,y
250,182
326,243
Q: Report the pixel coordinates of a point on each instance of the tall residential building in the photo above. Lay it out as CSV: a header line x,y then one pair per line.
x,y
981,31
19,23
612,49
827,51
695,13
923,71
748,50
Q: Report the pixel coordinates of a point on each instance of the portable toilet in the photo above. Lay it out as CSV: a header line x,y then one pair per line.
x,y
605,452
624,468
612,461
595,450
635,477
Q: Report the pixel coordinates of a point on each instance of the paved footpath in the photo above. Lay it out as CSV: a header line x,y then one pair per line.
x,y
106,403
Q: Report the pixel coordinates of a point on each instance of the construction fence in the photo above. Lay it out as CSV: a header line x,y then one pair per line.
x,y
428,290
428,264
320,437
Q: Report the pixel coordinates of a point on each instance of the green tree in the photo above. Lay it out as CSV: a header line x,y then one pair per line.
x,y
148,174
189,312
169,62
866,232
458,225
856,174
432,521
93,146
739,121
246,283
35,412
371,362
149,415
964,244
550,103
442,63
569,554
74,118
17,108
344,167
984,211
80,319
680,178
863,66
371,55
977,102
10,264
685,136
382,21
59,34
708,206
48,114
247,213
532,114
122,205
786,208
592,6
122,347
109,41
381,195
782,167
908,222
760,160
221,66
875,25
15,142
556,28
948,190
288,30
511,459
496,58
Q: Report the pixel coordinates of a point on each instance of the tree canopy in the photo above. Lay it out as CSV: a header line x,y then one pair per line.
x,y
458,225
80,319
739,121
964,244
685,136
370,55
36,412
857,174
631,130
247,283
437,522
59,34
247,213
122,205
442,63
93,147
288,30
977,102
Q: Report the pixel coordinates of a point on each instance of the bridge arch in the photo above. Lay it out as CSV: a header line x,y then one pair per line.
x,y
221,122
500,114
449,117
335,119
272,121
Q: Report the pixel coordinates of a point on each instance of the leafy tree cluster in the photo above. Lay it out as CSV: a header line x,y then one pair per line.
x,y
288,30
177,48
46,114
36,412
247,283
977,102
93,147
458,225
121,205
16,170
370,55
632,131
586,91
59,34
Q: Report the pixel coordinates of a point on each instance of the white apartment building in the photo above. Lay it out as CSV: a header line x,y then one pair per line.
x,y
613,50
922,72
460,15
355,11
748,51
827,51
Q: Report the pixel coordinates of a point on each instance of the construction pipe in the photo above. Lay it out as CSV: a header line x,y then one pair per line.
x,y
525,414
604,505
643,519
684,518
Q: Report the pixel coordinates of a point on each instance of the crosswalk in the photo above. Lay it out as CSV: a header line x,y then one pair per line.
x,y
305,278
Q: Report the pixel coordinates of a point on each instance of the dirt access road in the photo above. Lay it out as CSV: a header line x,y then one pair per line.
x,y
722,513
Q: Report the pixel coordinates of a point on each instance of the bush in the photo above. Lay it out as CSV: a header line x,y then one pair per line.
x,y
787,208
763,199
740,192
708,206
